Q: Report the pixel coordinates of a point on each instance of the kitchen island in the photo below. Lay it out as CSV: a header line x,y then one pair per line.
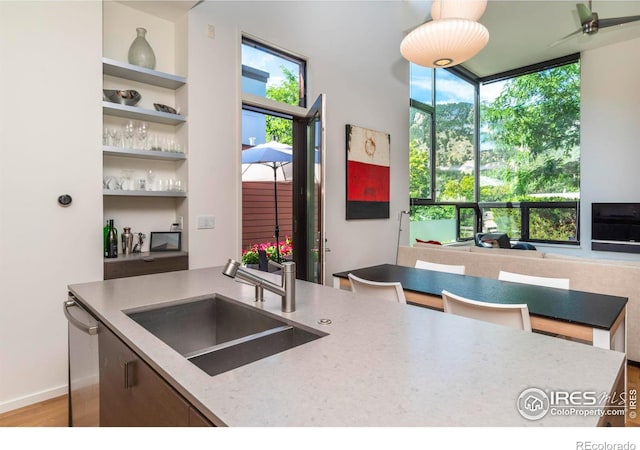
x,y
380,364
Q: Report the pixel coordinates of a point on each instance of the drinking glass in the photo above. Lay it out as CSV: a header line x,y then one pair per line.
x,y
127,182
156,142
151,177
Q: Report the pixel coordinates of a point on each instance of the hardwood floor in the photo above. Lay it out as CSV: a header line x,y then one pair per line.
x,y
54,412
50,413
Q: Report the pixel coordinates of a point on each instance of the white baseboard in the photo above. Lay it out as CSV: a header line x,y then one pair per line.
x,y
33,398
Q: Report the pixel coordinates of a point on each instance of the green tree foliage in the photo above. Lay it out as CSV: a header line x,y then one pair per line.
x,y
454,149
288,92
432,212
533,131
419,154
538,112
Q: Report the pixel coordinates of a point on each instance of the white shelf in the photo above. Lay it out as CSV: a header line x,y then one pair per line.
x,y
123,193
142,154
141,74
136,113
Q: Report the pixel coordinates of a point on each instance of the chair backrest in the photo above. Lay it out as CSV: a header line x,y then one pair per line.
x,y
516,316
388,290
560,283
449,268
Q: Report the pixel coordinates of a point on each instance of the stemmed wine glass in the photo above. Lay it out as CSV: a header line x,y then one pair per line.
x,y
142,134
114,137
129,132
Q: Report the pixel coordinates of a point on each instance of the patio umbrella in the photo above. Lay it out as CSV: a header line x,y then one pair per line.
x,y
275,155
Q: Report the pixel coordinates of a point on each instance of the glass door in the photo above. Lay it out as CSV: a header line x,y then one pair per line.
x,y
309,235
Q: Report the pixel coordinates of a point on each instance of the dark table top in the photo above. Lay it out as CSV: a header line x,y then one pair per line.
x,y
586,308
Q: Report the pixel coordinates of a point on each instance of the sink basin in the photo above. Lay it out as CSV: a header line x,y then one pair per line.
x,y
251,348
218,334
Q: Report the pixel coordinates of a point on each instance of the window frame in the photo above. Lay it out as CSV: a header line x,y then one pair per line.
x,y
286,55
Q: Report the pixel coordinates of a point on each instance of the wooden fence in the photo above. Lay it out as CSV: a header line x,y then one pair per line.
x,y
258,211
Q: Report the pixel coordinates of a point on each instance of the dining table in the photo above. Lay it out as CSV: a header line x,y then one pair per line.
x,y
597,319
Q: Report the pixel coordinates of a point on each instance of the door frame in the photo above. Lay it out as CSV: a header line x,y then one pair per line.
x,y
300,119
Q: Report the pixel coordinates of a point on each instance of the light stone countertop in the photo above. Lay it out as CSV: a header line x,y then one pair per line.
x,y
382,364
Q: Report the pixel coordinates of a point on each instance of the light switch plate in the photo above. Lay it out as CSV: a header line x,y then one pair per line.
x,y
206,222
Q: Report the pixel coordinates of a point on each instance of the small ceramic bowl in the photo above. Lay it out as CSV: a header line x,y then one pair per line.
x,y
124,97
164,108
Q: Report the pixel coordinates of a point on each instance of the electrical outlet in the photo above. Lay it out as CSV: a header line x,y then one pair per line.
x,y
206,222
211,32
180,222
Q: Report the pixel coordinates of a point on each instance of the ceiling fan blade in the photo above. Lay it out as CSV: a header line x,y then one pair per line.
x,y
584,13
561,40
604,23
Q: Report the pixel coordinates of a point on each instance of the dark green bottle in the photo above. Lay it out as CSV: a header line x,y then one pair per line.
x,y
104,238
112,241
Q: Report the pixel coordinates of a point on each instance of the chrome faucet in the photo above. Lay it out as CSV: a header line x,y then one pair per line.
x,y
287,290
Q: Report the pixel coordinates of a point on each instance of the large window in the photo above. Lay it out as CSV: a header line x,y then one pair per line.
x,y
516,169
530,153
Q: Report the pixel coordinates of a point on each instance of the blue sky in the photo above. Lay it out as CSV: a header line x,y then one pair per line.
x,y
267,62
450,89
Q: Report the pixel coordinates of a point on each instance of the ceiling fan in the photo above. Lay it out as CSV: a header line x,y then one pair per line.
x,y
590,23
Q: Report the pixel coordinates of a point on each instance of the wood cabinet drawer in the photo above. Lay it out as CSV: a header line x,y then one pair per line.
x,y
132,394
145,265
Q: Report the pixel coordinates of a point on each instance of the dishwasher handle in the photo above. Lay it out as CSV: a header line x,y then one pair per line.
x,y
89,329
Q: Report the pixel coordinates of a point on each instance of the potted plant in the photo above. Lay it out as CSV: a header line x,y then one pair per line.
x,y
250,256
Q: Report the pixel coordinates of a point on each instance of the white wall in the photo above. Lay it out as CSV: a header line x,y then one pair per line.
x,y
353,58
50,138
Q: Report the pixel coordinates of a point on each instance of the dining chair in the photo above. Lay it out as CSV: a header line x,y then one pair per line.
x,y
512,315
449,268
388,290
560,283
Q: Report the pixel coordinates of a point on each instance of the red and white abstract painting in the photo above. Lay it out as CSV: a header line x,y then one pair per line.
x,y
368,173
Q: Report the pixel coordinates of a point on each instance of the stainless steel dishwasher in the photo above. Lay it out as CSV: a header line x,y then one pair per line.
x,y
84,369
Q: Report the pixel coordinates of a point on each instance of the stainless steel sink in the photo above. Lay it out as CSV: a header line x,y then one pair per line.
x,y
218,334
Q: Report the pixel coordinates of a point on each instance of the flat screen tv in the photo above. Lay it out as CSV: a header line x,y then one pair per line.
x,y
615,222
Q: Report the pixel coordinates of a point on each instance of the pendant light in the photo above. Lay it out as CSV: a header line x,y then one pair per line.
x,y
460,9
451,38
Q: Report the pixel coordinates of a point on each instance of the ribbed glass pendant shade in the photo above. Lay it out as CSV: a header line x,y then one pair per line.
x,y
458,9
444,42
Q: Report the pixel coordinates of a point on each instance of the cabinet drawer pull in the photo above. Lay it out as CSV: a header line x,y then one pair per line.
x,y
128,374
